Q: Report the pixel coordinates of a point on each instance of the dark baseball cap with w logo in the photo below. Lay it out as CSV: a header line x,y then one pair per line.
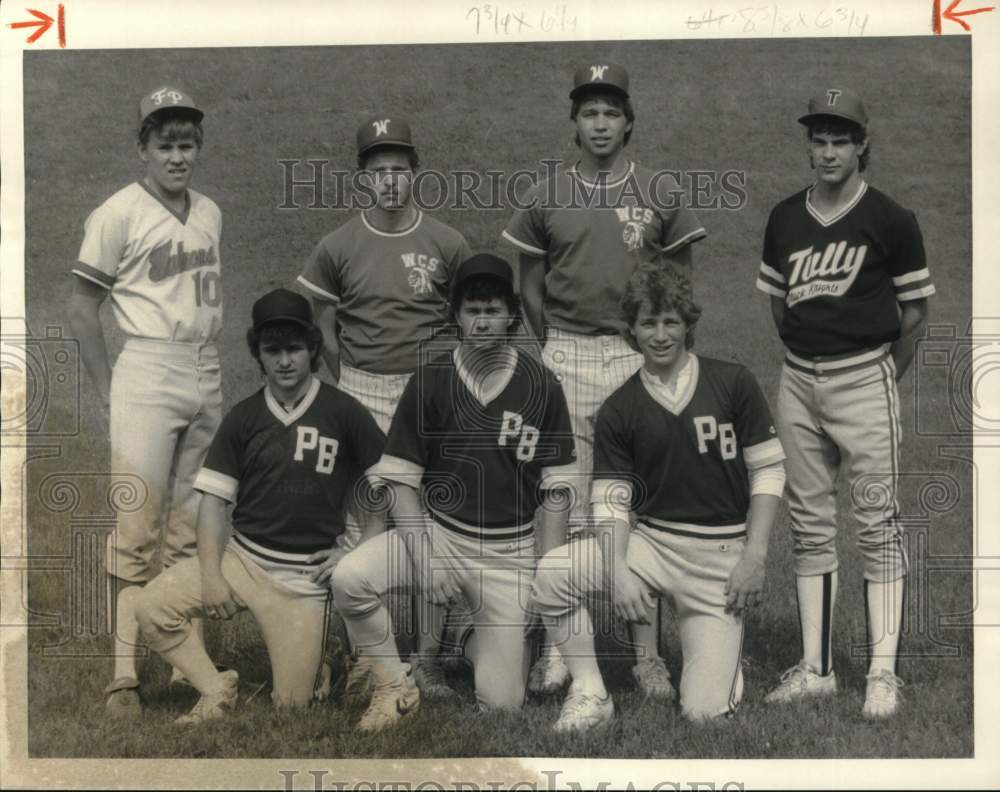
x,y
168,97
383,130
836,103
600,75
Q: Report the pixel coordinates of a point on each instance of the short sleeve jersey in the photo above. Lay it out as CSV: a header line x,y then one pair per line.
x,y
687,463
162,268
593,236
483,458
289,472
843,277
390,289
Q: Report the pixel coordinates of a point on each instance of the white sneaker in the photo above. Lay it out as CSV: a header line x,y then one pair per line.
x,y
882,694
216,704
800,682
653,678
549,674
428,673
582,711
390,703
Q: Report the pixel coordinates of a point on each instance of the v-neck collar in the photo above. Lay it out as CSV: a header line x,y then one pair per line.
x,y
654,387
288,418
829,221
484,397
181,216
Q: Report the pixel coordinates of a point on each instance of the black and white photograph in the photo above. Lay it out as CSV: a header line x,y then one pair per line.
x,y
448,405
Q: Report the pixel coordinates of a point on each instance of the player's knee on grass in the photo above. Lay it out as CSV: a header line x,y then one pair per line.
x,y
702,707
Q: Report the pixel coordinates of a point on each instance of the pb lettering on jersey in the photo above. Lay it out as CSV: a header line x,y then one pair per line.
x,y
163,269
842,277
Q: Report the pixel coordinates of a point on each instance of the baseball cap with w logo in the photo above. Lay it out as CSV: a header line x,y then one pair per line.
x,y
603,75
383,130
167,97
839,103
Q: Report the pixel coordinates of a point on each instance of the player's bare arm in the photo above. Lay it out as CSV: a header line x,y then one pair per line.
x,y
326,319
441,587
745,587
632,600
532,270
553,519
682,259
778,311
85,321
213,534
912,318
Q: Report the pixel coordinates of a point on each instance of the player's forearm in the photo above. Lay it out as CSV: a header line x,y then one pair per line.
x,y
552,521
213,535
763,513
331,356
85,324
912,319
372,512
682,260
410,522
532,272
778,311
612,537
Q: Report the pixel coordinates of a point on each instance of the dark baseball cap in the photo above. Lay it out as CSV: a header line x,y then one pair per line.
x,y
602,75
282,305
167,97
836,103
482,264
383,131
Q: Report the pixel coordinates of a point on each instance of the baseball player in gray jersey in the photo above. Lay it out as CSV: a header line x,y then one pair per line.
x,y
845,267
576,255
153,247
380,285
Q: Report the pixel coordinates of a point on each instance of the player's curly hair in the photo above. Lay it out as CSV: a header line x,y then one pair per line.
x,y
171,124
609,95
658,286
411,156
284,331
831,125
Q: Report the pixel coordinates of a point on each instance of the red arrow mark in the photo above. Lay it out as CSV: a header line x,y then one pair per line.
x,y
43,22
953,15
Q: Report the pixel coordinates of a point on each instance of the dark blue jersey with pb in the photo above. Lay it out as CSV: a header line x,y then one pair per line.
x,y
289,472
687,463
842,277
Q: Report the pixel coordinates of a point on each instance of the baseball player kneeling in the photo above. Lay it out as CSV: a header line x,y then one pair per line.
x,y
485,432
284,457
688,444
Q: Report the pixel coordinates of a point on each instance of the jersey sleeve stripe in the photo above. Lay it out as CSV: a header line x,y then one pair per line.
x,y
218,484
764,286
694,236
768,480
772,274
916,293
763,454
94,275
559,476
523,245
611,499
910,277
317,290
401,471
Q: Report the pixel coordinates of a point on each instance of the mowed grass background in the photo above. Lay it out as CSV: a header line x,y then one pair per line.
x,y
701,105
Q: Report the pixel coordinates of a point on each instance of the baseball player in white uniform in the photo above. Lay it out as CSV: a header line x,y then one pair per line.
x,y
847,274
379,285
584,234
284,458
153,247
484,432
688,445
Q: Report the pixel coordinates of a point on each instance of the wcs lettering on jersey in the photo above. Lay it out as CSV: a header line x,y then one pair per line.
x,y
686,460
289,472
162,268
391,289
483,458
842,277
593,236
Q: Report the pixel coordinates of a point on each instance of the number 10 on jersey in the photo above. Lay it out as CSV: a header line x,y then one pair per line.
x,y
206,288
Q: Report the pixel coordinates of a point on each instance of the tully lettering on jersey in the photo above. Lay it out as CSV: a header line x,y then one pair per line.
x,y
829,271
163,264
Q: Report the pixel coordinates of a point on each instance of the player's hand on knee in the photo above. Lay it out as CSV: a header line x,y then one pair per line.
x,y
219,601
443,588
633,601
330,558
745,587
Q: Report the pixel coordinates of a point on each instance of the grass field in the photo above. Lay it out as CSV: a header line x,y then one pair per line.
x,y
701,105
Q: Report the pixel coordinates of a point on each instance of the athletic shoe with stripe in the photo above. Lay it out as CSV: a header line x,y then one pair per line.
x,y
216,704
882,694
800,682
549,674
653,678
582,711
391,703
